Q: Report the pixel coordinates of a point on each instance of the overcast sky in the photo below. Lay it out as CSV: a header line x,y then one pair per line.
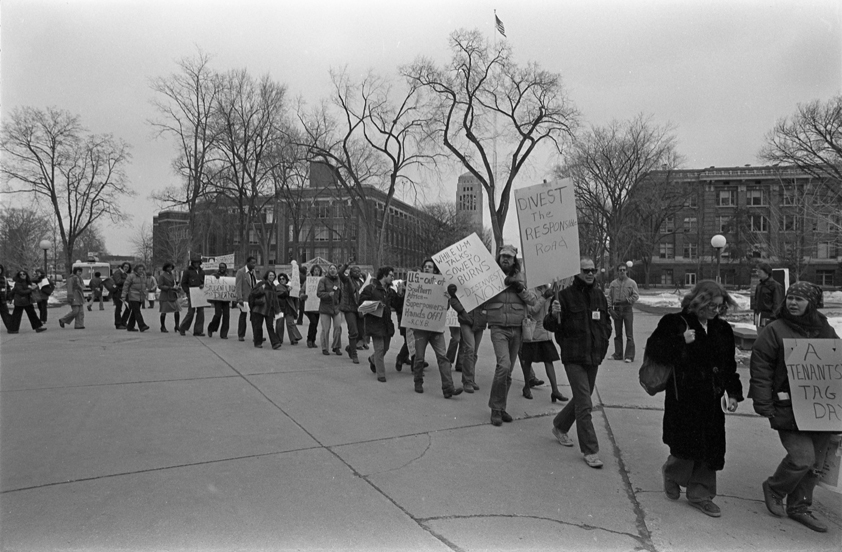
x,y
721,72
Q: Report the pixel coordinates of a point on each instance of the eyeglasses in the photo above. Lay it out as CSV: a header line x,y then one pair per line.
x,y
588,271
622,270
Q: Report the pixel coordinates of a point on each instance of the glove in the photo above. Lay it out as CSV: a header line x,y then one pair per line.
x,y
548,293
451,290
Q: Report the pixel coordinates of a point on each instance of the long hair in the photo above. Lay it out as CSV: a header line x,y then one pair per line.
x,y
25,280
384,271
170,265
313,270
435,266
703,293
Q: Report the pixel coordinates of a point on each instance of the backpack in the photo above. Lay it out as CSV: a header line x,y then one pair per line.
x,y
109,285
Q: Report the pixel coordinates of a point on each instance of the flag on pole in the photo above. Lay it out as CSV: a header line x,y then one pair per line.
x,y
499,24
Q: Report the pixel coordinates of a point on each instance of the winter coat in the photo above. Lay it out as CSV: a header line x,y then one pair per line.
x,y
192,277
118,277
768,369
269,306
329,293
169,291
508,308
768,296
134,288
538,312
76,290
582,339
694,424
5,290
350,296
242,282
477,319
379,326
286,301
40,294
22,294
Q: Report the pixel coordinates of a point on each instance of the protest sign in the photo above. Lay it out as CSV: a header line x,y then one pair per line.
x,y
212,263
470,266
294,280
198,298
425,303
220,289
312,286
452,318
814,369
549,231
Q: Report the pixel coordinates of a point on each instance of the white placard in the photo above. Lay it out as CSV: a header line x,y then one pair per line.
x,y
198,298
212,263
452,318
223,288
814,369
312,286
549,231
425,303
295,280
470,266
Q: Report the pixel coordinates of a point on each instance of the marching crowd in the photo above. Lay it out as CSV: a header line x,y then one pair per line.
x,y
697,345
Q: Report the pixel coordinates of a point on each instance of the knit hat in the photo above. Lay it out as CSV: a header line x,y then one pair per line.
x,y
805,290
510,250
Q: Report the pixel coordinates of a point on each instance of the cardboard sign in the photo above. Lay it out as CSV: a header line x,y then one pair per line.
x,y
198,299
220,289
814,369
294,280
311,287
212,263
470,266
452,318
425,303
549,231
830,478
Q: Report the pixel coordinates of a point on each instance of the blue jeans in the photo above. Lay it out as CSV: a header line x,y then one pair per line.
x,y
468,353
797,474
436,341
624,318
381,347
582,381
506,341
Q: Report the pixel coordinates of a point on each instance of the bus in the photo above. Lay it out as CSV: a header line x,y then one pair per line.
x,y
89,268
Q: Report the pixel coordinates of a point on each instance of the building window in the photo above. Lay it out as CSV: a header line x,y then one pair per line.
x,y
724,224
666,251
825,250
759,223
668,225
789,195
691,225
791,223
726,198
666,277
691,251
321,234
689,278
270,216
692,201
755,197
825,277
252,236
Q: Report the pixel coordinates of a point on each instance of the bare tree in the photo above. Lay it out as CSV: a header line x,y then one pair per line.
x,y
21,230
607,164
444,225
186,102
79,176
142,246
481,86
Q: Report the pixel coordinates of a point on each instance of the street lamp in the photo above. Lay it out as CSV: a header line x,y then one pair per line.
x,y
45,245
718,242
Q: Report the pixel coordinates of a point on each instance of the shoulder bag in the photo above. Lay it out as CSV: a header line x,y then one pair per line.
x,y
654,376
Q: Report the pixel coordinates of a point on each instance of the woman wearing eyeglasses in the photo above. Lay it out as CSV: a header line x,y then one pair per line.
x,y
699,345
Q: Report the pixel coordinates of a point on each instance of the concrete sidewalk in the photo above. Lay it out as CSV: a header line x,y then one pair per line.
x,y
126,441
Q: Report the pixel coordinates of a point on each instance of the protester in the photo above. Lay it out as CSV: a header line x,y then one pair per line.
x,y
41,294
699,345
95,284
539,347
151,288
506,312
622,294
5,296
168,301
244,282
406,355
454,348
221,309
768,296
312,316
330,295
288,308
471,325
436,341
263,305
349,299
134,291
379,325
582,327
193,277
22,300
799,471
76,298
118,277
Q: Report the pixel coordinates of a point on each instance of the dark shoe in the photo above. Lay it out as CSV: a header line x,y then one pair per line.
x,y
381,379
89,308
372,366
294,342
348,350
143,329
468,388
458,368
79,328
671,488
337,352
276,346
527,392
535,382
809,520
12,331
615,357
452,392
324,352
365,346
226,337
355,360
311,344
120,327
506,416
61,322
496,418
164,330
475,386
398,365
198,335
258,345
419,387
182,333
131,329
41,329
557,397
708,508
210,333
774,503
241,339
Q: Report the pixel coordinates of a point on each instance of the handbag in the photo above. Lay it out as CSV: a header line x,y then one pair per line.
x,y
654,376
528,327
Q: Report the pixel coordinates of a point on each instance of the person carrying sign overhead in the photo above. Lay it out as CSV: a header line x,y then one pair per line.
x,y
798,472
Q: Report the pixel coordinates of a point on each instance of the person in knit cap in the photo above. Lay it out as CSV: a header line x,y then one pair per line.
x,y
768,296
798,473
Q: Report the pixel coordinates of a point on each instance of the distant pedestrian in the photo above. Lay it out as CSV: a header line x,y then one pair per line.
x,y
798,472
699,345
349,299
41,295
768,297
221,309
5,297
193,277
312,316
151,288
22,294
264,305
118,277
95,284
582,327
330,295
288,308
539,347
168,301
76,298
134,291
622,294
244,282
379,326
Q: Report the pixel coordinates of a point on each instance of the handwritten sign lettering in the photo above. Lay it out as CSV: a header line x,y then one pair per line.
x,y
212,263
814,369
312,302
425,303
549,231
470,266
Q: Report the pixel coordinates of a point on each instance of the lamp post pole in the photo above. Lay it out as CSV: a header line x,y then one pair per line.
x,y
718,242
45,245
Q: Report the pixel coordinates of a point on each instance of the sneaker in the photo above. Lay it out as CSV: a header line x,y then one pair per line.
x,y
355,360
468,388
809,520
324,352
381,379
628,361
562,438
419,387
671,488
706,507
475,386
593,461
337,352
40,329
774,503
448,393
506,416
496,418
